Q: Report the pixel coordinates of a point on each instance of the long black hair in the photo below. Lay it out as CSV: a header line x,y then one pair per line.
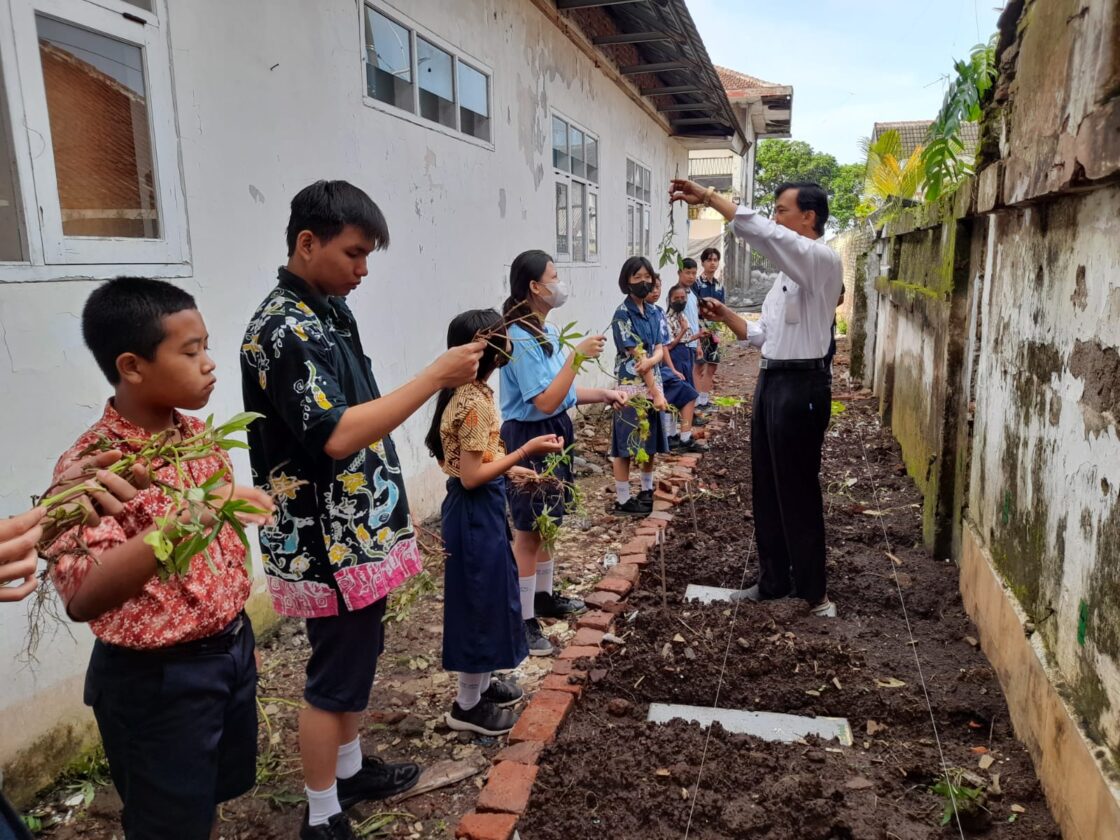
x,y
527,267
463,329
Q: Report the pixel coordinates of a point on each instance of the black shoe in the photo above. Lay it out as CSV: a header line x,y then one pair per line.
x,y
632,507
502,693
377,780
693,445
551,605
645,499
484,719
674,442
698,420
539,645
337,828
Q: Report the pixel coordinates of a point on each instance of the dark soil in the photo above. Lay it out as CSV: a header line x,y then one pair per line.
x,y
613,775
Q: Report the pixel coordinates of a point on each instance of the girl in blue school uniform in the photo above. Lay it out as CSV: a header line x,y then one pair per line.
x,y
482,627
679,394
636,327
538,389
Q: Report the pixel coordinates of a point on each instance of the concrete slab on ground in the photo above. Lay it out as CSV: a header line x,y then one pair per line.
x,y
769,726
708,594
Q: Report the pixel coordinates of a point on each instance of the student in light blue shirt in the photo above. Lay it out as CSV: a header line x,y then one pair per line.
x,y
537,389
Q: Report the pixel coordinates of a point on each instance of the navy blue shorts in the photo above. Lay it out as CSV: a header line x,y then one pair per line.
x,y
179,727
343,661
525,507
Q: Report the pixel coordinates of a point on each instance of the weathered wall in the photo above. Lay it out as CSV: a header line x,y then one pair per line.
x,y
268,100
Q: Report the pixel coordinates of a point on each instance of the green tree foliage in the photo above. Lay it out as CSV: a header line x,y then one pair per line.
x,y
778,161
945,159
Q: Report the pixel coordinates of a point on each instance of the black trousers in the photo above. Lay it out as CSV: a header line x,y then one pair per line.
x,y
791,413
179,727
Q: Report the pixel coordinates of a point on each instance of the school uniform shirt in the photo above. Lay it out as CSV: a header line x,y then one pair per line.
x,y
798,311
529,372
342,528
165,612
692,315
631,326
704,289
470,424
664,338
677,321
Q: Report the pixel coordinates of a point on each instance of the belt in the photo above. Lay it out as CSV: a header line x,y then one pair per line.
x,y
220,642
792,364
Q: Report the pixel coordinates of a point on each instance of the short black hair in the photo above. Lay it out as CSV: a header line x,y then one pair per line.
x,y
326,207
677,287
810,196
631,267
688,262
126,316
710,252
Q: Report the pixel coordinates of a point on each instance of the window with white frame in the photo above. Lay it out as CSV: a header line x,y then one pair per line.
x,y
638,183
413,73
575,159
89,169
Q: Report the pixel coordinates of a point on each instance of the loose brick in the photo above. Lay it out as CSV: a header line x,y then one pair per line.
x,y
558,701
651,522
626,571
527,752
661,515
558,682
508,788
637,545
688,460
619,586
661,495
596,620
665,486
587,636
476,826
617,607
647,531
634,560
562,667
601,600
537,723
661,506
579,651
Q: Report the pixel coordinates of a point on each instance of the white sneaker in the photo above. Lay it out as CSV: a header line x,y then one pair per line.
x,y
827,609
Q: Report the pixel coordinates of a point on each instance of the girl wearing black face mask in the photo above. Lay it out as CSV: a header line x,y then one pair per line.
x,y
637,339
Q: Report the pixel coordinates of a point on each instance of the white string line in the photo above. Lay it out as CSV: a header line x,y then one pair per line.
x,y
719,684
910,632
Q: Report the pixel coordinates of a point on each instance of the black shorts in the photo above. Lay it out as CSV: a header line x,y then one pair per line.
x,y
343,662
179,727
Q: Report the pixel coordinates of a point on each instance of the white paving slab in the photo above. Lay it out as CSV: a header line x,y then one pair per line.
x,y
708,594
769,726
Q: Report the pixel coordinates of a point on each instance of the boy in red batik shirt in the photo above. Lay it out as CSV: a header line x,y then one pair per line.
x,y
172,677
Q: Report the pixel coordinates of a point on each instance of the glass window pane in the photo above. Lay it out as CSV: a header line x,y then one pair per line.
x,y
11,227
474,102
579,232
97,105
629,177
645,230
562,217
437,88
578,167
146,5
388,61
591,154
592,225
560,144
645,184
629,229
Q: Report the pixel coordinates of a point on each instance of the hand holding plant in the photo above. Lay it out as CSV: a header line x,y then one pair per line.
x,y
544,445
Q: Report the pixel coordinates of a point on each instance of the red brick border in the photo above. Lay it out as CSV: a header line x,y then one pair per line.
x,y
509,784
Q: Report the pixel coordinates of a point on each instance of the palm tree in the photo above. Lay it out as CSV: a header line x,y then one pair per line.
x,y
891,184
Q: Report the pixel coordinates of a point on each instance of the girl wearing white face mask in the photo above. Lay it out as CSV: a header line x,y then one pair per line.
x,y
537,389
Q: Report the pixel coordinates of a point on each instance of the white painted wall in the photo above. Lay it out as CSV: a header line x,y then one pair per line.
x,y
269,97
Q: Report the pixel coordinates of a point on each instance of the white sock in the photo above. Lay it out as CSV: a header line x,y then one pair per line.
x,y
349,759
528,588
703,398
471,687
322,805
545,572
647,481
622,491
670,423
686,436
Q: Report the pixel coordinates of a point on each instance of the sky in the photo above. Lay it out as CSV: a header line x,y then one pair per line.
x,y
851,62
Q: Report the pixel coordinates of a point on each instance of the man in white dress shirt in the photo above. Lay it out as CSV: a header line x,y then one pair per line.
x,y
793,398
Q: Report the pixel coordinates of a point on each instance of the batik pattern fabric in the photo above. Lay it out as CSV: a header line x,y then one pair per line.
x,y
343,536
470,424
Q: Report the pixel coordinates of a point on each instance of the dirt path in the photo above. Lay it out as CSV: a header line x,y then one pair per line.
x,y
613,775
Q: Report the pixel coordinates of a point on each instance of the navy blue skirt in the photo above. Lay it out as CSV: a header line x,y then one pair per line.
x,y
684,357
678,393
524,506
482,625
626,436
